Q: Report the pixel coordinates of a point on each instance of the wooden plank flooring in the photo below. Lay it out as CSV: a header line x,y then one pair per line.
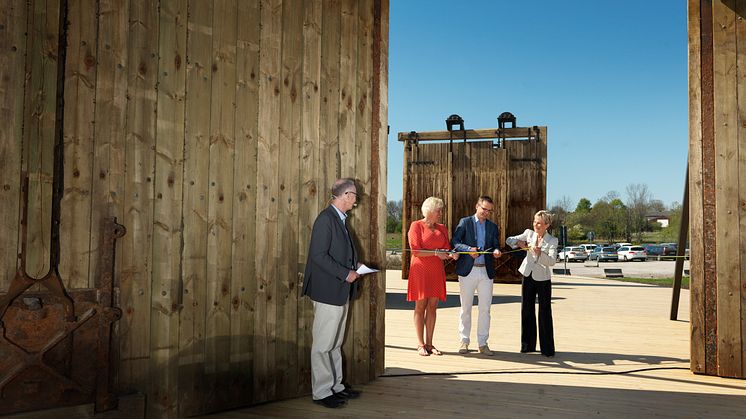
x,y
618,355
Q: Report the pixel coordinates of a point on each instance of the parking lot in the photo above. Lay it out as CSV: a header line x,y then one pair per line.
x,y
648,269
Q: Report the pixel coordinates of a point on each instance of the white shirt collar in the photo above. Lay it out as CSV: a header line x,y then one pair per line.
x,y
342,215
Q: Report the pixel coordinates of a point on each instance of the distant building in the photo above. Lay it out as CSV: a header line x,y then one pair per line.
x,y
659,217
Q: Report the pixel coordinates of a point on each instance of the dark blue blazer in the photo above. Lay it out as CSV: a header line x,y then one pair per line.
x,y
465,236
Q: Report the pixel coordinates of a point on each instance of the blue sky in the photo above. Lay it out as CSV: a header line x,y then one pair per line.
x,y
608,79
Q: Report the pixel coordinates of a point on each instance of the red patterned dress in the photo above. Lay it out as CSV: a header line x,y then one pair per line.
x,y
427,277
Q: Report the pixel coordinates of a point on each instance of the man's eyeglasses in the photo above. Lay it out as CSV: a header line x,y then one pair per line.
x,y
485,209
354,193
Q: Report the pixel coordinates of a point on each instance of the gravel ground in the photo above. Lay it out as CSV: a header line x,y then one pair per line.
x,y
648,269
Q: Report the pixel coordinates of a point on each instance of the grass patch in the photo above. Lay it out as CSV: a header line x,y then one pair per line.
x,y
663,282
393,241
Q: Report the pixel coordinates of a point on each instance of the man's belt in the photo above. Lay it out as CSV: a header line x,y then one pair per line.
x,y
479,265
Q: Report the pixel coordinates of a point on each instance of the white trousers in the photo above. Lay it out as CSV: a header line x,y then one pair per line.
x,y
479,281
326,351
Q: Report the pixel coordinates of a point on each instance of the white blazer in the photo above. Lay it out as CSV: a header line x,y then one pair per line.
x,y
538,267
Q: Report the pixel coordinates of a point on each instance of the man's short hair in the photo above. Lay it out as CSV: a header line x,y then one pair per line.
x,y
341,186
485,198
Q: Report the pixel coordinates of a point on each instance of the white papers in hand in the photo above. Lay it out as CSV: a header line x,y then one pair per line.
x,y
362,270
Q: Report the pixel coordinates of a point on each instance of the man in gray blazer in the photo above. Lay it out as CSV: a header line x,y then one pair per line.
x,y
330,281
474,234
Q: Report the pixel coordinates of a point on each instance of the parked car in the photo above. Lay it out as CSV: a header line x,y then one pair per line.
x,y
669,251
604,254
661,251
653,250
626,253
618,245
587,247
572,254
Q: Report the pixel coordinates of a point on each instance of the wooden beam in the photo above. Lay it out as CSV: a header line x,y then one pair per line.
x,y
108,185
39,129
680,250
696,207
379,130
290,117
243,289
192,322
726,189
13,37
267,208
349,165
136,245
165,286
220,202
78,129
738,282
474,134
311,171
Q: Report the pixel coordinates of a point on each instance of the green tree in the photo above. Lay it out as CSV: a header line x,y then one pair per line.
x,y
670,233
561,208
584,205
394,216
607,219
639,204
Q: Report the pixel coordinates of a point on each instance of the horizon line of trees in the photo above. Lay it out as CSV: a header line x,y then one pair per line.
x,y
609,219
612,219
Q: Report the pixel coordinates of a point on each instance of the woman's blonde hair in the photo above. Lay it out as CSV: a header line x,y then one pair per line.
x,y
545,216
431,204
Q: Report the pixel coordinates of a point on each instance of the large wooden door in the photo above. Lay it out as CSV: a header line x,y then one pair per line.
x,y
458,173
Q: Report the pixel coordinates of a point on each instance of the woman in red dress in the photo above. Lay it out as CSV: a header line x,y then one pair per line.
x,y
427,277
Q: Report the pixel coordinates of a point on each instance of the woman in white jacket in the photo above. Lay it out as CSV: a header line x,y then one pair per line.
x,y
537,275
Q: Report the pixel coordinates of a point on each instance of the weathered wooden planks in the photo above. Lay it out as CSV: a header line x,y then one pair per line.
x,y
330,86
312,193
739,279
348,166
192,326
78,131
39,120
220,202
287,234
107,190
361,309
470,134
726,181
709,302
265,323
13,44
166,289
459,172
379,141
135,271
717,162
696,207
243,291
213,130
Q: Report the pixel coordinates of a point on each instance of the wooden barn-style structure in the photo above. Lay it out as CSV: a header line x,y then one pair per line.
x,y
212,131
458,166
717,169
162,163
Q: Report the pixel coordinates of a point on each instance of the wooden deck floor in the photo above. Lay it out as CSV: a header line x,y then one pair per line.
x,y
618,355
